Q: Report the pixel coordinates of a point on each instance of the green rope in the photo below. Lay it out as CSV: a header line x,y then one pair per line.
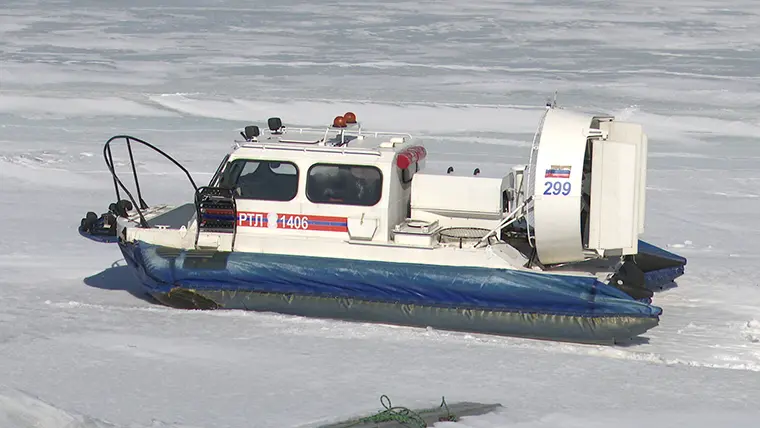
x,y
449,416
399,414
403,415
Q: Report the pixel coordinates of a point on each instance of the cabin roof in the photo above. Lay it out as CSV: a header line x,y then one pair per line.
x,y
348,139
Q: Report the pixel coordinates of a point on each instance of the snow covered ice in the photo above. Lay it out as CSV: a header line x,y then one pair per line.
x,y
79,347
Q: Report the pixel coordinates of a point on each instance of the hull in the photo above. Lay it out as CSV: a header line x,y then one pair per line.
x,y
486,300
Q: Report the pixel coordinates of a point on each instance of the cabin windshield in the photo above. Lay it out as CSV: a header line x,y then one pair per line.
x,y
262,179
344,184
218,174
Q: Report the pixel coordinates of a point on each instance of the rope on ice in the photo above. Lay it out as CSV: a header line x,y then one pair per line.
x,y
403,415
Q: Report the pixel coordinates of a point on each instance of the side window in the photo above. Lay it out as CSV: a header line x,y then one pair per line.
x,y
344,184
262,179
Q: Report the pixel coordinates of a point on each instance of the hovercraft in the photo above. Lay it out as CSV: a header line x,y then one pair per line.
x,y
344,223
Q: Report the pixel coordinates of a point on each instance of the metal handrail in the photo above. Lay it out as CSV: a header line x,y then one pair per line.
x,y
108,156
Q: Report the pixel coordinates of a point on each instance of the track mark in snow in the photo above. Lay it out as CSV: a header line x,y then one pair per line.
x,y
34,160
182,349
736,195
683,155
47,169
383,116
688,247
38,107
22,410
685,244
74,304
751,331
53,158
61,169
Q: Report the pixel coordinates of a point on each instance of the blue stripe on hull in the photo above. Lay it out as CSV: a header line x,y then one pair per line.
x,y
162,270
328,223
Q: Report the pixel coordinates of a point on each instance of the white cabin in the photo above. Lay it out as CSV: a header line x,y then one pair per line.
x,y
348,184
